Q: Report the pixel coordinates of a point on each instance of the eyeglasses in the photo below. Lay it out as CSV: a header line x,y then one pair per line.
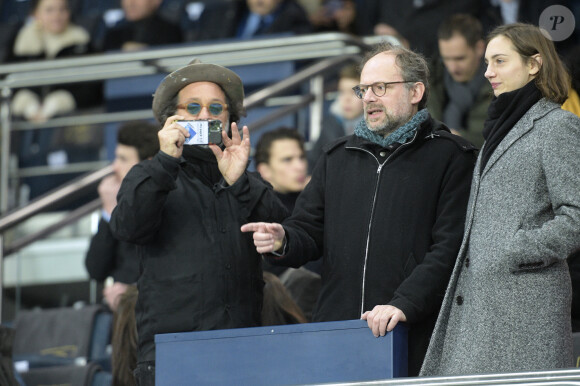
x,y
379,88
194,108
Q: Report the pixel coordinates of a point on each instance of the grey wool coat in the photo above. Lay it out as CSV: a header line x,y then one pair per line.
x,y
507,305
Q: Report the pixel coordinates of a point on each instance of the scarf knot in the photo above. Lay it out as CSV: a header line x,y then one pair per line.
x,y
400,135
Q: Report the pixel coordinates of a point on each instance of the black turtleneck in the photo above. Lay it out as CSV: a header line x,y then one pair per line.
x,y
202,163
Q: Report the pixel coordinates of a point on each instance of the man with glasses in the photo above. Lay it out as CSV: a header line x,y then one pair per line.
x,y
184,209
385,207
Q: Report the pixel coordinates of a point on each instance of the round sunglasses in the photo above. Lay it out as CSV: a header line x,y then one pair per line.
x,y
194,108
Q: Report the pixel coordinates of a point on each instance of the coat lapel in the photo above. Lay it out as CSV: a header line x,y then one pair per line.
x,y
525,124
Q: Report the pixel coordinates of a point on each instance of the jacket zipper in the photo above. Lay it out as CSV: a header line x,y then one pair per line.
x,y
362,302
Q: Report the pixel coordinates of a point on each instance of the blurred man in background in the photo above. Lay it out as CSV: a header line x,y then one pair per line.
x,y
460,93
251,18
281,160
345,112
142,27
109,260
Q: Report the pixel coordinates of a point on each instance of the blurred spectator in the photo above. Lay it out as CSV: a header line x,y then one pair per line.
x,y
279,308
107,256
141,27
250,18
281,160
572,61
48,35
414,21
335,15
345,112
124,339
460,94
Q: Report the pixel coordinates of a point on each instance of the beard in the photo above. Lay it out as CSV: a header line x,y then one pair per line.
x,y
389,122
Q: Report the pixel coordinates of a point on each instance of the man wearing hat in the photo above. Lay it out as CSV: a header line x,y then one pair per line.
x,y
184,209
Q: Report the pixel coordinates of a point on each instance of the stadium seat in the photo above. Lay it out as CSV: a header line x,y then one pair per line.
x,y
63,344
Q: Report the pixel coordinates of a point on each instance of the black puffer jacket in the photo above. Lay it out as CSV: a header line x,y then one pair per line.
x,y
388,223
198,270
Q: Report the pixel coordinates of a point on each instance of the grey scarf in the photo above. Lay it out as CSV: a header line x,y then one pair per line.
x,y
401,135
461,97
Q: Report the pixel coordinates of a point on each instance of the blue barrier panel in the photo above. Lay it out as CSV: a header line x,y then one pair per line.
x,y
344,351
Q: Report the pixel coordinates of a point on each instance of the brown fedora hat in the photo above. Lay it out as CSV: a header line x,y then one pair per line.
x,y
196,71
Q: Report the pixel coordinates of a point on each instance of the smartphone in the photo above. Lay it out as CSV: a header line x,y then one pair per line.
x,y
203,132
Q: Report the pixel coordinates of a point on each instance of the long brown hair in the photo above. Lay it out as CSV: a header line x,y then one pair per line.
x,y
124,339
552,80
279,308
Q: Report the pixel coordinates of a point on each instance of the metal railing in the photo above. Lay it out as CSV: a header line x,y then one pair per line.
x,y
165,60
567,377
52,199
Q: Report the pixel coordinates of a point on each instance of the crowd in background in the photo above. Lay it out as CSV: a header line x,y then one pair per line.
x,y
135,24
48,29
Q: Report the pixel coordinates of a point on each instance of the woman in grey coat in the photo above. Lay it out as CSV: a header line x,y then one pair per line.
x,y
507,306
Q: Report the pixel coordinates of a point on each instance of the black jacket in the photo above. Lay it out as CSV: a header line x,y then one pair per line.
x,y
108,256
388,223
198,270
152,31
217,22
